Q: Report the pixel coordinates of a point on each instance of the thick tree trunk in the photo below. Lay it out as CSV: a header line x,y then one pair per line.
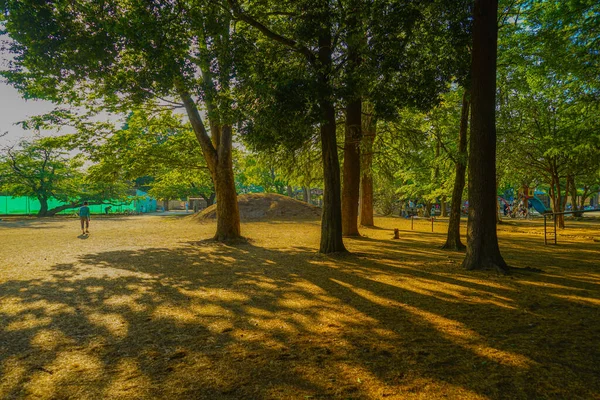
x,y
557,197
427,210
453,241
482,241
584,196
228,214
306,194
366,182
53,211
353,126
444,207
210,200
526,197
351,187
331,219
217,152
43,207
573,193
290,191
563,199
366,204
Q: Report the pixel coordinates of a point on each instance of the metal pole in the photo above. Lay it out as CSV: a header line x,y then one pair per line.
x,y
554,228
545,238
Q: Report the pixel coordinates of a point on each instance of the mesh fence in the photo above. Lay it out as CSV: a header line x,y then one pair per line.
x,y
28,206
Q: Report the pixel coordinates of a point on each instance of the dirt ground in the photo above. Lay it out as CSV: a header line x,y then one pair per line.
x,y
144,308
268,206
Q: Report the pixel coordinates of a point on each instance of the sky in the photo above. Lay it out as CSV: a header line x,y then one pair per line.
x,y
13,108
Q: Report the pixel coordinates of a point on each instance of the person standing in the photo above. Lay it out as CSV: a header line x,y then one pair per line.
x,y
84,218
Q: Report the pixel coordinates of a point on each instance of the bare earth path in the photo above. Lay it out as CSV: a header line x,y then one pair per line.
x,y
144,309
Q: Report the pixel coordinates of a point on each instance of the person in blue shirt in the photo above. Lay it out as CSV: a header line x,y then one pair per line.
x,y
84,217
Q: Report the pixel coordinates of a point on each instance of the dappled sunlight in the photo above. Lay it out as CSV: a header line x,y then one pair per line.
x,y
579,299
181,315
483,284
298,302
133,302
114,323
12,305
50,339
128,381
216,294
13,373
453,330
593,279
27,321
66,376
173,317
270,321
452,292
548,285
211,310
259,282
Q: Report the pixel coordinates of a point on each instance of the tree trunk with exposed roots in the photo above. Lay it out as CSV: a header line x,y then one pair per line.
x,y
483,251
331,219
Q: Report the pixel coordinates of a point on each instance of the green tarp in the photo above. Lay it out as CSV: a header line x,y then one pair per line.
x,y
27,206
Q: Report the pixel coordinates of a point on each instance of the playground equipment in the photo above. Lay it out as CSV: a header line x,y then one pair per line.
x,y
503,200
513,211
538,205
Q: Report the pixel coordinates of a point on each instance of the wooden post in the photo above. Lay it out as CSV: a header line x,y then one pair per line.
x,y
554,217
396,233
412,222
432,218
545,238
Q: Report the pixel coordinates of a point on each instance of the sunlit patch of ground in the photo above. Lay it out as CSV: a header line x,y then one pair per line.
x,y
145,308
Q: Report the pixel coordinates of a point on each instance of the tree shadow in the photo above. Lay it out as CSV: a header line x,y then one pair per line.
x,y
32,222
206,320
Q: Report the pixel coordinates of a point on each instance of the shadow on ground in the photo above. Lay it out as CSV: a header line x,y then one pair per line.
x,y
399,320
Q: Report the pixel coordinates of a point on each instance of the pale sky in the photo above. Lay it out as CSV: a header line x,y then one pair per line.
x,y
13,108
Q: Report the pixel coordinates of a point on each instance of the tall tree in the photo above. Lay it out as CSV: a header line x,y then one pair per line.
x,y
129,52
157,145
317,30
355,51
42,169
549,96
483,251
366,180
453,241
355,47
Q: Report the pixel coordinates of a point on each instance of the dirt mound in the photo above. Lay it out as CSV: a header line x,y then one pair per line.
x,y
267,206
